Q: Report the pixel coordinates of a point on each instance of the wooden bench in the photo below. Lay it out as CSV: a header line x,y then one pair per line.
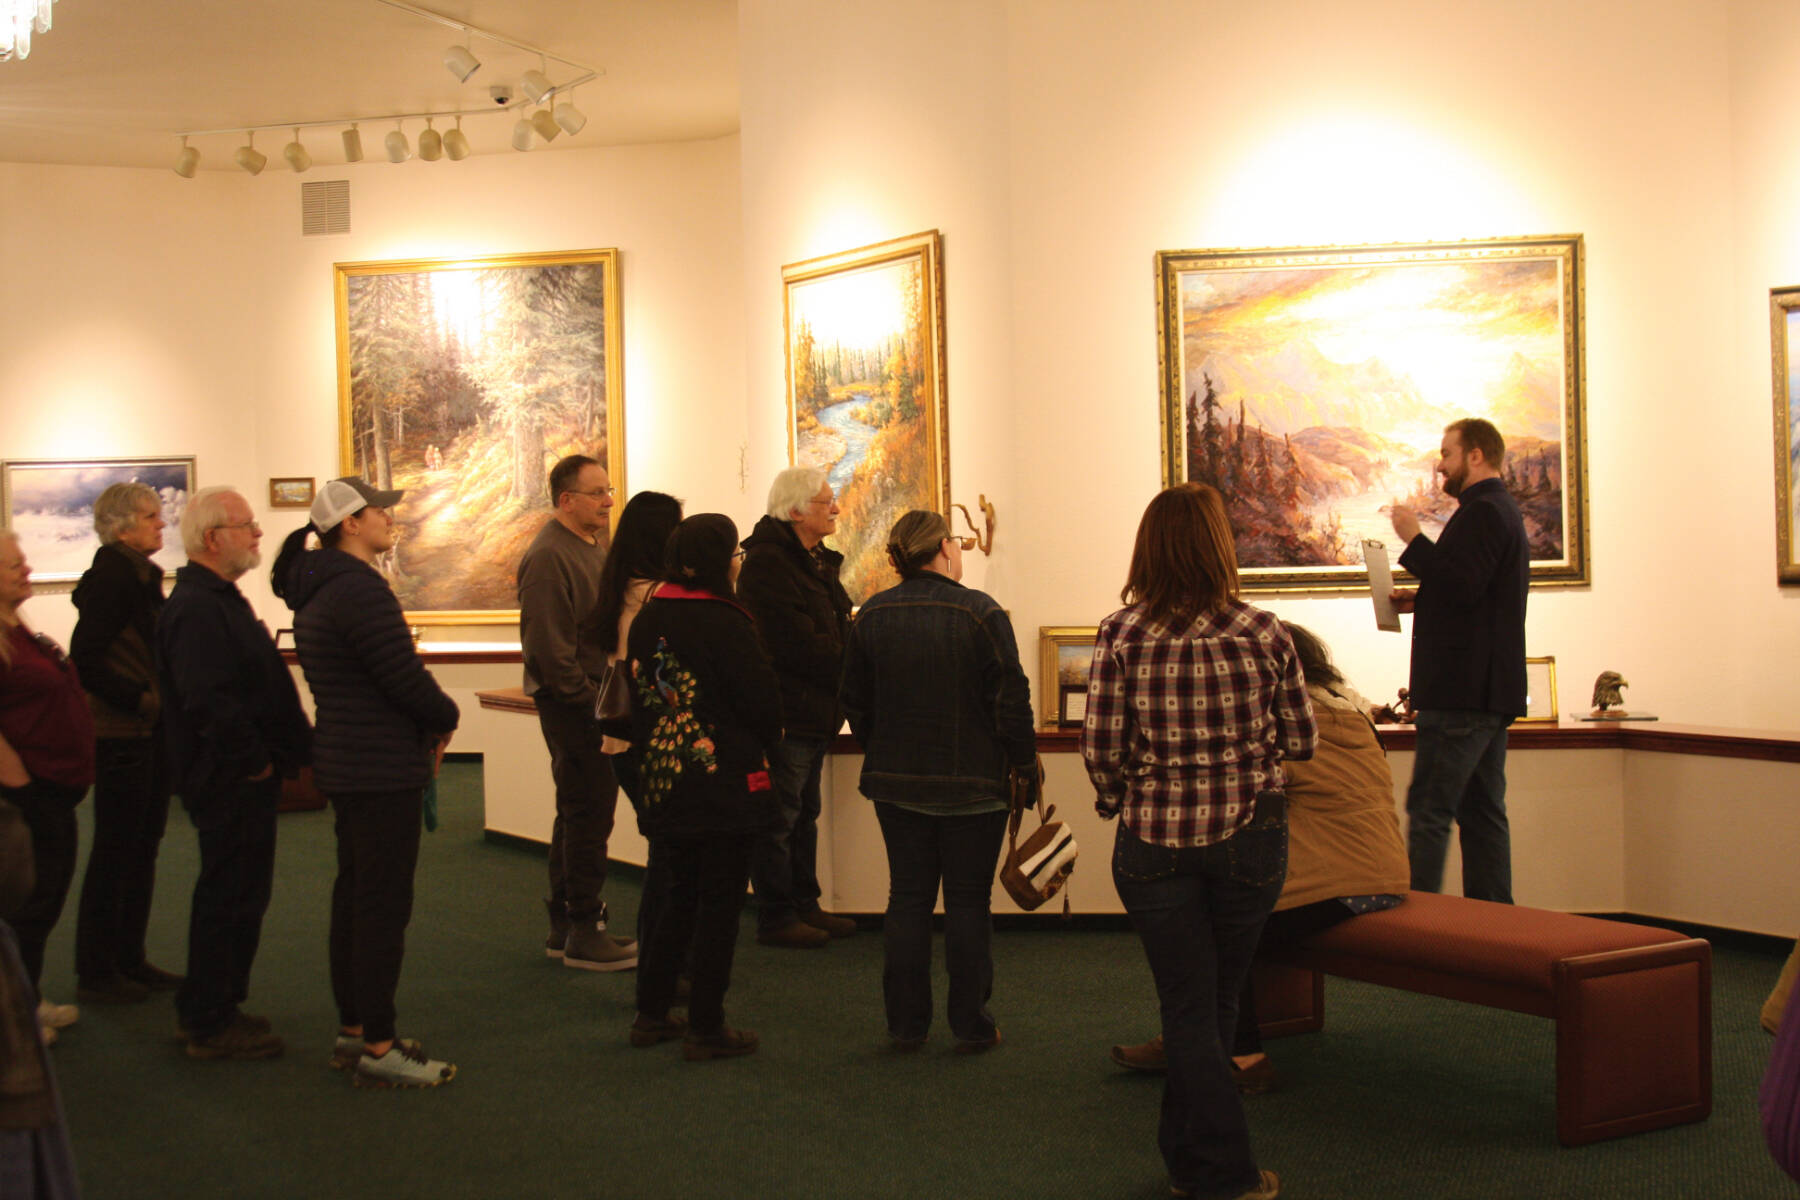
x,y
1632,1004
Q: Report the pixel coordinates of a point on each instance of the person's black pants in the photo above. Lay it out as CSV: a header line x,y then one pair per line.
x,y
960,852
586,795
236,826
371,903
699,926
49,812
1283,928
628,768
131,810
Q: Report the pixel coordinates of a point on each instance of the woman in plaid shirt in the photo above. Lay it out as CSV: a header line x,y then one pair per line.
x,y
1194,700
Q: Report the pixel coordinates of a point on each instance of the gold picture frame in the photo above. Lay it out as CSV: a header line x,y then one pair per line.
x,y
866,390
462,380
1540,692
1311,385
1065,655
292,491
48,504
1784,330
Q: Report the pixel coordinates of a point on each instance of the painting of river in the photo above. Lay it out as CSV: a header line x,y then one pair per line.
x,y
50,506
865,367
1312,388
463,381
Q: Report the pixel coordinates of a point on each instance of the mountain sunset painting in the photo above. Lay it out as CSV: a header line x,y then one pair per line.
x,y
1312,388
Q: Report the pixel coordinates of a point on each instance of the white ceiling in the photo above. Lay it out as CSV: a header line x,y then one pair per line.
x,y
114,81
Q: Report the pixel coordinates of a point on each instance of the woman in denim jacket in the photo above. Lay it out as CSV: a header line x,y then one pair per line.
x,y
935,694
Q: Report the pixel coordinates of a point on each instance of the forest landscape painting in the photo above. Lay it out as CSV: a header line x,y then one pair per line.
x,y
865,359
1312,387
1784,312
463,381
50,506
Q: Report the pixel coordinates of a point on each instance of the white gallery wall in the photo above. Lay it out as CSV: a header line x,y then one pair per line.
x,y
1128,129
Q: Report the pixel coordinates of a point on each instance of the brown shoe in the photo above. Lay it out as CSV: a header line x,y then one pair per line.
x,y
978,1047
795,935
238,1042
1256,1079
832,924
111,989
727,1043
1146,1056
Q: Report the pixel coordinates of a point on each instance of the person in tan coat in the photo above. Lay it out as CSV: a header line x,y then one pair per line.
x,y
1345,852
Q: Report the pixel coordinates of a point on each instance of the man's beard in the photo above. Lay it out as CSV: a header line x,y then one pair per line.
x,y
241,564
1453,484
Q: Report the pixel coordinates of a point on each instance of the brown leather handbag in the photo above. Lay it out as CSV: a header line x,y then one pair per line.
x,y
1036,869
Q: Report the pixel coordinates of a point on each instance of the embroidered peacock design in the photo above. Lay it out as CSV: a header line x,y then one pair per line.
x,y
677,738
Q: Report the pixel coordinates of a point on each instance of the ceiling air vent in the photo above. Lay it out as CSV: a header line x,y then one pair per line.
x,y
325,207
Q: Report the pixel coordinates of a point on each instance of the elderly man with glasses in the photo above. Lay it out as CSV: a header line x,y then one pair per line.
x,y
565,657
234,729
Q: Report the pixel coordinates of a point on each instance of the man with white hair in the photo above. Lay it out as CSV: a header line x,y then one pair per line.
x,y
790,584
113,648
234,729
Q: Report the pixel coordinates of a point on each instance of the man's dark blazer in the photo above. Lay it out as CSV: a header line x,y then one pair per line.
x,y
1469,619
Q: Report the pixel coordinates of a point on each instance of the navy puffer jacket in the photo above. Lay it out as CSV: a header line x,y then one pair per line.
x,y
379,712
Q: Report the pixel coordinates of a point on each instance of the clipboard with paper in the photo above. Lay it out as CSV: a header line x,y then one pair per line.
x,y
1381,585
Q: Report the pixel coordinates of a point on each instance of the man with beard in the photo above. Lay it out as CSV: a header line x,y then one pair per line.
x,y
1468,664
234,726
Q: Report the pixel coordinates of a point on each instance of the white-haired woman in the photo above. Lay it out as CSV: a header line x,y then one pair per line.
x,y
790,585
46,763
114,649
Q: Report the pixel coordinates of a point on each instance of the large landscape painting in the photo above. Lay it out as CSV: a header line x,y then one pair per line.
x,y
1312,388
1784,331
463,382
865,340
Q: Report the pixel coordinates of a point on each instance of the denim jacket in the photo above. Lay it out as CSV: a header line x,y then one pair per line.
x,y
935,694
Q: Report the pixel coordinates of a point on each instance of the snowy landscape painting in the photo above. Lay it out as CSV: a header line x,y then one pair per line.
x,y
865,357
463,381
1312,387
50,506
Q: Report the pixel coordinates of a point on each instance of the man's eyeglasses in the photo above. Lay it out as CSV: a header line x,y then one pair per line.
x,y
596,493
253,526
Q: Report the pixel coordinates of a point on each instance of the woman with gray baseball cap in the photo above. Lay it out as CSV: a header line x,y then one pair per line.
x,y
382,723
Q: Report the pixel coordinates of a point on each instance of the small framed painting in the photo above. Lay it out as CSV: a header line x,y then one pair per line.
x,y
1540,692
292,491
50,506
1065,653
1784,315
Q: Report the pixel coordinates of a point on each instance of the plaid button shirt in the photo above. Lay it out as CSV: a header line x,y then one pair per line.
x,y
1183,731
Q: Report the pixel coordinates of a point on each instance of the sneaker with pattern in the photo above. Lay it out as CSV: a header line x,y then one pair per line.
x,y
405,1065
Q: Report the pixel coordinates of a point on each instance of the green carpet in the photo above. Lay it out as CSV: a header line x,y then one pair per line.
x,y
1401,1096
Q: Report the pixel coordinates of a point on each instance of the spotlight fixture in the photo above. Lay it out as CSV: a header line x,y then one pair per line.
x,y
545,124
431,143
296,154
247,156
461,63
456,143
188,161
536,84
570,117
521,138
397,149
352,145
19,19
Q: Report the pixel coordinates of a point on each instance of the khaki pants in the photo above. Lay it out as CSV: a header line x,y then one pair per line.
x,y
1778,999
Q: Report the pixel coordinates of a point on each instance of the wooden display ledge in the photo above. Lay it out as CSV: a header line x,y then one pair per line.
x,y
1657,737
445,653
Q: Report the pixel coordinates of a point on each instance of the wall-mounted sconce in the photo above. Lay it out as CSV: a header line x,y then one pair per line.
x,y
982,540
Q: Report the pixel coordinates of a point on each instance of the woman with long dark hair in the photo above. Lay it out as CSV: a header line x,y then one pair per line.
x,y
382,726
1194,700
706,712
936,696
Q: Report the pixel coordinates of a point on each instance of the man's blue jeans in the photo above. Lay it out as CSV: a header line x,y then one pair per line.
x,y
785,870
1459,773
1199,912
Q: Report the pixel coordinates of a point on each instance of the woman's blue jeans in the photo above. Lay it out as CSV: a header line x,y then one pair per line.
x,y
1199,912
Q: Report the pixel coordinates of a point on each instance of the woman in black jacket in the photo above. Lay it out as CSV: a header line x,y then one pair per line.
x,y
382,725
706,713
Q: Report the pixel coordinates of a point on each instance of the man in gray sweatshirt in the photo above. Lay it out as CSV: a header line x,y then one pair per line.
x,y
559,586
